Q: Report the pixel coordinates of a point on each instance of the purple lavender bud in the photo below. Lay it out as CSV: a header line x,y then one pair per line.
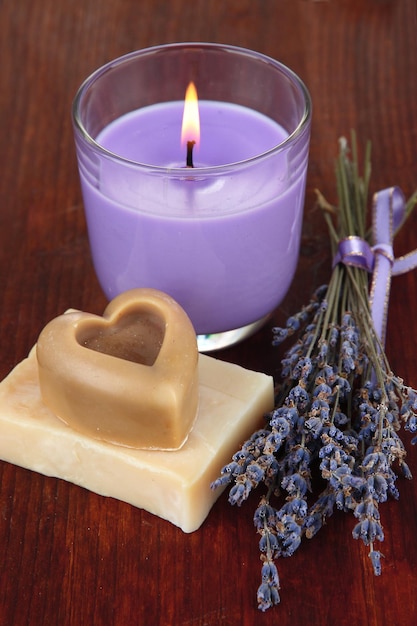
x,y
340,419
291,543
312,524
406,470
361,529
280,334
411,424
344,386
269,573
315,426
375,557
264,597
299,396
267,596
302,369
239,492
334,335
268,543
323,390
264,516
293,323
255,474
280,425
294,483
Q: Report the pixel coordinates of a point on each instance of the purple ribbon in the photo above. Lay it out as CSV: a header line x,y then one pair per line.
x,y
388,211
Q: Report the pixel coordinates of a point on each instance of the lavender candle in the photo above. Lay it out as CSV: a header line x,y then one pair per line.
x,y
222,237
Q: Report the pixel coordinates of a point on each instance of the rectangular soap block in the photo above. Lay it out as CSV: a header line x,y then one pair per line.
x,y
174,485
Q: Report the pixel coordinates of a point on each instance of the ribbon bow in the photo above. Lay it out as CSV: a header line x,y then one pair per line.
x,y
388,210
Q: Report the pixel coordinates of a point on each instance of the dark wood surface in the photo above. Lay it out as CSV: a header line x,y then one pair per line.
x,y
70,557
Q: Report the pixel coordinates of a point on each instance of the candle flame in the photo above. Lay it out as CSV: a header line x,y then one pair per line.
x,y
190,131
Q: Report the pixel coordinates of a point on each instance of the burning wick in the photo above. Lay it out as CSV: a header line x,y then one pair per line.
x,y
190,146
190,130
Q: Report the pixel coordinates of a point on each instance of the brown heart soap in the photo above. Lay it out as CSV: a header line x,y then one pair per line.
x,y
129,377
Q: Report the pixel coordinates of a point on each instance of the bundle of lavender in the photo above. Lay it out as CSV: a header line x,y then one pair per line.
x,y
339,408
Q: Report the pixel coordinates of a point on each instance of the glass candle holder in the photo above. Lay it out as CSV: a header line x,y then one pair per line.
x,y
219,232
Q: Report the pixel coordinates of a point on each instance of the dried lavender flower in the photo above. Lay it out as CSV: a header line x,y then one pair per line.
x,y
339,408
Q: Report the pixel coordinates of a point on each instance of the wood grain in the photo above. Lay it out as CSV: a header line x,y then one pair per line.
x,y
69,557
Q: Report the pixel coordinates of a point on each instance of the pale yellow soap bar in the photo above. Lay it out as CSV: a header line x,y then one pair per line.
x,y
174,485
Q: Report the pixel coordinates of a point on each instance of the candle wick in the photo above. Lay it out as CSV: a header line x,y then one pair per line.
x,y
190,146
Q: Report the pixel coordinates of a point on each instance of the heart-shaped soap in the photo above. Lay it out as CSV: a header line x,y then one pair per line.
x,y
129,377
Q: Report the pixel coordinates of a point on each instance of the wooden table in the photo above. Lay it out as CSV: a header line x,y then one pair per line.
x,y
70,557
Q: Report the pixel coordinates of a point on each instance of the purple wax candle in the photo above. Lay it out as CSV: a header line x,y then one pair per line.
x,y
223,237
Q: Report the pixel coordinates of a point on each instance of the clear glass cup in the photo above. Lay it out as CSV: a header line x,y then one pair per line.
x,y
222,237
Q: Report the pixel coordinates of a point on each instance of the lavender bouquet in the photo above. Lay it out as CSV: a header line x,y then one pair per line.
x,y
339,408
